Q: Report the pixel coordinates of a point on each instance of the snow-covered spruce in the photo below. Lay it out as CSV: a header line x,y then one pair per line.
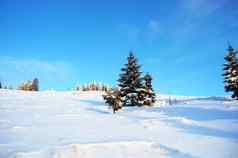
x,y
231,73
133,90
148,95
130,82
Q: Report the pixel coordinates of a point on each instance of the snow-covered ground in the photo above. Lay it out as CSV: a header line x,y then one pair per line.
x,y
78,125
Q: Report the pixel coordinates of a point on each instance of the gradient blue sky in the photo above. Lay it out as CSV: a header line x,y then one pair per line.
x,y
67,42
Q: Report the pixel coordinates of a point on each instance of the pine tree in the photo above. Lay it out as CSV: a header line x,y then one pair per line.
x,y
231,72
113,99
130,82
149,92
0,85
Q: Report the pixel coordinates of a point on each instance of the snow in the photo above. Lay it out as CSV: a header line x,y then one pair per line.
x,y
51,124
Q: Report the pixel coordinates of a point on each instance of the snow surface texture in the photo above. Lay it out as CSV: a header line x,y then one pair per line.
x,y
78,125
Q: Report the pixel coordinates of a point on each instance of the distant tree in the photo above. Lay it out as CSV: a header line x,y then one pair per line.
x,y
231,72
149,92
0,85
29,85
10,87
35,85
113,99
130,82
26,86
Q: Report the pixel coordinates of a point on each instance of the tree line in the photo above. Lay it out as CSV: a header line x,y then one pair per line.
x,y
94,86
26,85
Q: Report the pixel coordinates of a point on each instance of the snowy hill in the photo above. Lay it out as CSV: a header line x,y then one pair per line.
x,y
78,125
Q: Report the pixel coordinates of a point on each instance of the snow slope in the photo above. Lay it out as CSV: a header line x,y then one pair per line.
x,y
78,125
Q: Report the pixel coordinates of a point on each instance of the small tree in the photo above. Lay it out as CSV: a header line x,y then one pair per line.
x,y
149,92
113,99
35,85
0,85
231,73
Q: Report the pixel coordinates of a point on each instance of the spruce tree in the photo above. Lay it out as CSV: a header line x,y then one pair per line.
x,y
149,96
0,85
10,87
35,85
231,72
130,82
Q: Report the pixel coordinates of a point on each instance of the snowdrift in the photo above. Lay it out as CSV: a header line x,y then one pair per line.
x,y
72,124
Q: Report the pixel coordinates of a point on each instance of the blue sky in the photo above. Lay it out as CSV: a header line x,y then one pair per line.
x,y
67,42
